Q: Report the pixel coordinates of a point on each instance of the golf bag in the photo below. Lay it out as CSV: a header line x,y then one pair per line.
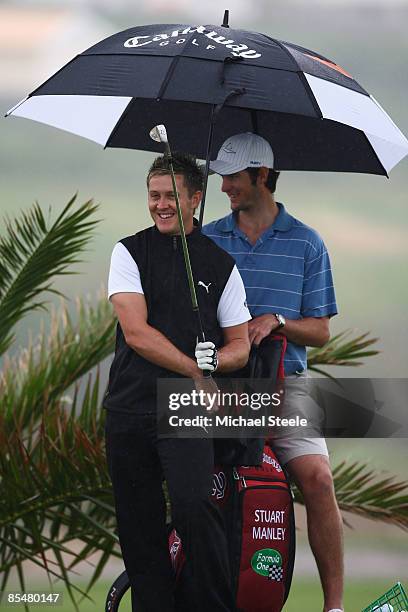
x,y
257,506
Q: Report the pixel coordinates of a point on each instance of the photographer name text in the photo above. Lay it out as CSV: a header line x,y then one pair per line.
x,y
236,421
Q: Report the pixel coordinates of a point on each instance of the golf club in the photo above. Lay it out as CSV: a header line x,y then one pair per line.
x,y
159,134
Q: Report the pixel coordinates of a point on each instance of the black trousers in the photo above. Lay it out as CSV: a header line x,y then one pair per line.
x,y
137,462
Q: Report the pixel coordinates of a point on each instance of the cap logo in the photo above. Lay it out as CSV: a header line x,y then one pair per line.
x,y
255,163
228,148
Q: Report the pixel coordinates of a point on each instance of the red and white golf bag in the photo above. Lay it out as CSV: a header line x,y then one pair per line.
x,y
258,509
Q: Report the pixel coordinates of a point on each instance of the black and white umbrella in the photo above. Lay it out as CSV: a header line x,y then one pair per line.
x,y
195,78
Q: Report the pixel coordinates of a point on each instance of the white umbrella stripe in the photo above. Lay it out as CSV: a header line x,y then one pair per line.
x,y
363,113
92,117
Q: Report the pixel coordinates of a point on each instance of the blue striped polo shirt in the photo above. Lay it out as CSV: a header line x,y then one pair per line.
x,y
287,271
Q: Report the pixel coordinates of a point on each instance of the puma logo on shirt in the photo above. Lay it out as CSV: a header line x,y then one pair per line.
x,y
206,287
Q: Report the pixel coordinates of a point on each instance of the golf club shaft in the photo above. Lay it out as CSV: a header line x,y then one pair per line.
x,y
186,254
183,236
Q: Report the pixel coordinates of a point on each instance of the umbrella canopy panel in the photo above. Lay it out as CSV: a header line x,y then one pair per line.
x,y
193,80
298,142
314,114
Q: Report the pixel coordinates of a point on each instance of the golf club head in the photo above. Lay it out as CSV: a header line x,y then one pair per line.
x,y
159,133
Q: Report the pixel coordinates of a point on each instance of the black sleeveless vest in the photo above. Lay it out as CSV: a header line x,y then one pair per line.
x,y
159,257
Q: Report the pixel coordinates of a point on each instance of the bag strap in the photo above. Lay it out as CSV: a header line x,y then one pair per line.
x,y
276,337
283,339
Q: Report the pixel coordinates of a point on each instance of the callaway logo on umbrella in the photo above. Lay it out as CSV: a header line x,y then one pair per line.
x,y
180,37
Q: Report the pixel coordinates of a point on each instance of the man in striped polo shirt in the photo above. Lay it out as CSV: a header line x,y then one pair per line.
x,y
286,272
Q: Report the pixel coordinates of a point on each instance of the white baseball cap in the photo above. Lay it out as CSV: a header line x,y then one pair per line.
x,y
242,151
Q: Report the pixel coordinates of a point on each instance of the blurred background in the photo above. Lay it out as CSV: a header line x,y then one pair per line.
x,y
363,219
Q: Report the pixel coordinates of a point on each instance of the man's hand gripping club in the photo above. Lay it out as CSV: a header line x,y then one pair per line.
x,y
206,356
207,360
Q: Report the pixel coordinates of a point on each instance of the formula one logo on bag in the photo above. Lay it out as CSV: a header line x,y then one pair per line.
x,y
275,573
264,560
219,485
179,37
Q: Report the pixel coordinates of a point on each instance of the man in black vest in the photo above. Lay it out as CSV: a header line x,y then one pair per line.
x,y
156,338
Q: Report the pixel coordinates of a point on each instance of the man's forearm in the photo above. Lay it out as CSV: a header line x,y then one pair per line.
x,y
307,332
233,355
151,344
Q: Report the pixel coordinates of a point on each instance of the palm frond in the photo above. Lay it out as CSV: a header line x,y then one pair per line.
x,y
55,489
360,491
344,349
31,253
37,378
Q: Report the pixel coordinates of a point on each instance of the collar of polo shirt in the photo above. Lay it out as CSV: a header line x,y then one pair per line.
x,y
282,223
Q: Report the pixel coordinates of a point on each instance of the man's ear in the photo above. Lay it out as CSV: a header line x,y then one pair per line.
x,y
196,199
262,175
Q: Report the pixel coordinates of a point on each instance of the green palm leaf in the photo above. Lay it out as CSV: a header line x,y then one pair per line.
x,y
31,253
38,377
55,489
341,350
360,491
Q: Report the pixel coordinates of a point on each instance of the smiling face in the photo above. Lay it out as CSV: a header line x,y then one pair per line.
x,y
162,203
243,194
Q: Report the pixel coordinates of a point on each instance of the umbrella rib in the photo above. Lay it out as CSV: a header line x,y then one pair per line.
x,y
376,155
119,122
34,92
284,49
168,76
309,92
171,69
302,77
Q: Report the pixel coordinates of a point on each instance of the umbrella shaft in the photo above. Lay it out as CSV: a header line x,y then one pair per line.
x,y
207,167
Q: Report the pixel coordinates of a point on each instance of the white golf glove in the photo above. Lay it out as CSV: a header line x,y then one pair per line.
x,y
206,356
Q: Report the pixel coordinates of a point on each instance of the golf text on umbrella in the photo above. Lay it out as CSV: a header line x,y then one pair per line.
x,y
237,49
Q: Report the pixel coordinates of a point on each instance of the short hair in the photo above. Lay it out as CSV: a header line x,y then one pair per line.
x,y
273,176
183,164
